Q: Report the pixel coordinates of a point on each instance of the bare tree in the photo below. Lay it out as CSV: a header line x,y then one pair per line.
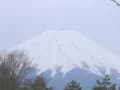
x,y
14,67
40,83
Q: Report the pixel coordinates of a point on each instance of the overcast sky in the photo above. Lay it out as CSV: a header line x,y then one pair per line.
x,y
23,19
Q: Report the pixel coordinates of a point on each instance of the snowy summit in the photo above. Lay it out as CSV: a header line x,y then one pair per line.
x,y
66,50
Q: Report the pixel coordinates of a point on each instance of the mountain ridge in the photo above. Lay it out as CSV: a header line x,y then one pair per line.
x,y
68,49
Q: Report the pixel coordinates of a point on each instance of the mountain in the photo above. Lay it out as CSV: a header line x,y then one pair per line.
x,y
67,54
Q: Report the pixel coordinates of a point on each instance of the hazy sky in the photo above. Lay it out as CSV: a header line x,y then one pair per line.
x,y
23,19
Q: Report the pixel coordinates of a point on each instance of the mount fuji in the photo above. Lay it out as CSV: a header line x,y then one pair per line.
x,y
67,54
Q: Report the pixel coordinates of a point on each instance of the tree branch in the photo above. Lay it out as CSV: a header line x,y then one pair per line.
x,y
116,2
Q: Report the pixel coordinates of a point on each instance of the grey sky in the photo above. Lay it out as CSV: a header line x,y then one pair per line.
x,y
23,19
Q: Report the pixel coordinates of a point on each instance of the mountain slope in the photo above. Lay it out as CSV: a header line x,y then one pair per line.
x,y
66,50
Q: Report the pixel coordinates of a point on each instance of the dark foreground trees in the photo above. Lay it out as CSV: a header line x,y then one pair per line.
x,y
40,83
15,72
105,84
13,69
73,85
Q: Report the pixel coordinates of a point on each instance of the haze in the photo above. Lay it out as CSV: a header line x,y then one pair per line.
x,y
99,20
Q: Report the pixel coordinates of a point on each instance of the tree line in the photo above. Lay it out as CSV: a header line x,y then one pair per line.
x,y
16,74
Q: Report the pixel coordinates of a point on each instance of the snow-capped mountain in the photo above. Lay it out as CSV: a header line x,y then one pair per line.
x,y
59,53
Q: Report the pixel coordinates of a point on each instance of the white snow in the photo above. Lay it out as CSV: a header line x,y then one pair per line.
x,y
68,49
